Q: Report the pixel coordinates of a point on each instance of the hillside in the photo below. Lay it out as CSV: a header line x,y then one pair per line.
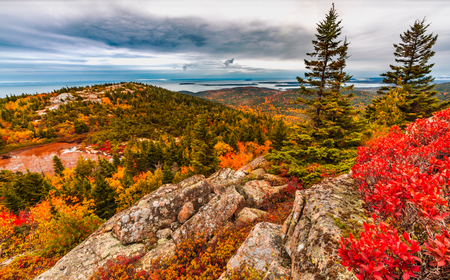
x,y
248,224
443,90
129,138
112,113
270,101
280,103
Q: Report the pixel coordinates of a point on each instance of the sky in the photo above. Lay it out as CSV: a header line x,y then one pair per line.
x,y
73,40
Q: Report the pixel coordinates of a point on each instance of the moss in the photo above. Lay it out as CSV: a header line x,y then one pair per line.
x,y
350,226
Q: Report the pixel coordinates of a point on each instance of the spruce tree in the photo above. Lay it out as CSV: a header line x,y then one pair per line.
x,y
330,110
58,166
412,55
279,134
167,174
327,143
104,198
412,74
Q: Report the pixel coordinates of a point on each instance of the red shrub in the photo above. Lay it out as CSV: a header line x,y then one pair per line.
x,y
406,174
120,268
404,178
439,249
380,253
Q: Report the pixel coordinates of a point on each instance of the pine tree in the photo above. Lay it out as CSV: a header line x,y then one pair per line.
x,y
323,70
200,128
327,144
385,110
116,160
58,166
104,198
167,174
80,127
279,134
412,55
412,74
331,112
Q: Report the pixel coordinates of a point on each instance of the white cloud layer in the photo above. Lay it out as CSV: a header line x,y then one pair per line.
x,y
176,38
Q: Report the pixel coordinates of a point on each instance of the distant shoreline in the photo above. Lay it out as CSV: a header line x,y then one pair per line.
x,y
17,88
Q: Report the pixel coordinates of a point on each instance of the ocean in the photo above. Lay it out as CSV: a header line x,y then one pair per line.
x,y
17,88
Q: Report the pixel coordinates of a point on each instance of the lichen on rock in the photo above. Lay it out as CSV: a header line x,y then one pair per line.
x,y
211,217
311,234
262,246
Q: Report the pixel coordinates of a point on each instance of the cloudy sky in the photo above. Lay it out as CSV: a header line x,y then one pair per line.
x,y
77,40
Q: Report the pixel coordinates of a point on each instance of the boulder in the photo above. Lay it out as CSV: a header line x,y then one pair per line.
x,y
259,162
259,191
165,250
274,180
159,210
102,245
277,271
83,260
164,233
226,176
211,217
321,215
62,98
262,246
248,215
257,174
186,212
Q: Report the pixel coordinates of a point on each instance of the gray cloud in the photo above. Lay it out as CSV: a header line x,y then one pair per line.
x,y
119,33
170,35
228,62
185,66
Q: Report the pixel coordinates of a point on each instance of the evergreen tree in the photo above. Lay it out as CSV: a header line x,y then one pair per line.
x,y
167,174
386,110
116,160
58,166
200,128
80,127
411,74
279,135
25,190
104,198
84,167
106,168
328,50
330,111
327,144
412,55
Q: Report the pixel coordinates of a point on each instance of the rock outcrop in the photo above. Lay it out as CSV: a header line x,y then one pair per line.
x,y
311,233
262,247
211,217
248,215
305,247
157,222
259,192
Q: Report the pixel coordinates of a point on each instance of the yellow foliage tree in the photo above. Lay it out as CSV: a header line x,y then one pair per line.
x,y
146,183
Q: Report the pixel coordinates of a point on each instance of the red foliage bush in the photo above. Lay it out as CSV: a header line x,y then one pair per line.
x,y
404,178
120,268
439,249
380,253
405,175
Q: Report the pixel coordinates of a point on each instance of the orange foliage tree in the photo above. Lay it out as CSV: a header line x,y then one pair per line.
x,y
245,153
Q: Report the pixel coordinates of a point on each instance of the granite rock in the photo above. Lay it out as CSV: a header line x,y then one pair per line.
x,y
211,217
319,219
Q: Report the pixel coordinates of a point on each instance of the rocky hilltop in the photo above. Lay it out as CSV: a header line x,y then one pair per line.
x,y
304,247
